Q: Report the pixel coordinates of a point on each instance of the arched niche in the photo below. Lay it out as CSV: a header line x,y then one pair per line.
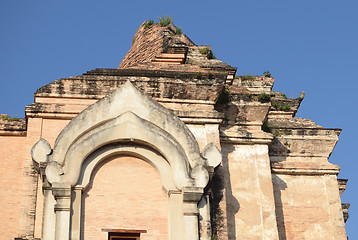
x,y
125,122
124,191
128,127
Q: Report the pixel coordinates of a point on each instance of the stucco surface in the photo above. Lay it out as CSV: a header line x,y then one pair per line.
x,y
304,210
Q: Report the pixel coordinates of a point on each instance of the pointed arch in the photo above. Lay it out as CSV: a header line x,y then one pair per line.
x,y
124,99
124,128
128,114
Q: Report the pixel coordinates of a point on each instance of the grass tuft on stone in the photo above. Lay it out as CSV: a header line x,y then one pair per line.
x,y
148,23
267,74
264,97
179,31
165,20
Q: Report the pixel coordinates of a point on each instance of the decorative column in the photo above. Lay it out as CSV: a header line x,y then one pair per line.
x,y
62,193
191,197
175,216
76,199
204,218
49,217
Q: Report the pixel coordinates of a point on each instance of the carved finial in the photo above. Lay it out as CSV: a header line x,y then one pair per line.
x,y
41,151
53,172
212,155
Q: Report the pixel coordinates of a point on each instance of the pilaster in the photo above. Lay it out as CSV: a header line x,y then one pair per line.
x,y
191,197
62,193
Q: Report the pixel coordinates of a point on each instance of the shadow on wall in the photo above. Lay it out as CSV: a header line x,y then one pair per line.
x,y
221,185
279,185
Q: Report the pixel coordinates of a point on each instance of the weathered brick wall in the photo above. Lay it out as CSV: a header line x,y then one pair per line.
x,y
39,209
51,128
306,209
126,193
12,150
248,192
29,181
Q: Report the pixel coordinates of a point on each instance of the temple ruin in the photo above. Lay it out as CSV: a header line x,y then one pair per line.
x,y
173,145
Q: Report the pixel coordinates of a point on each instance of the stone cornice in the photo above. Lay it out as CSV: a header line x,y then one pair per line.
x,y
13,133
298,171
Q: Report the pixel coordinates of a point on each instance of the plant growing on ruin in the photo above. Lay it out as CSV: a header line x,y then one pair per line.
x,y
211,55
276,133
287,144
267,74
214,237
178,31
285,107
266,126
225,96
284,95
165,20
148,23
204,51
248,77
198,75
275,105
281,106
210,75
7,118
264,97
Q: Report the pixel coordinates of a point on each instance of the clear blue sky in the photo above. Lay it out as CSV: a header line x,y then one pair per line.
x,y
309,46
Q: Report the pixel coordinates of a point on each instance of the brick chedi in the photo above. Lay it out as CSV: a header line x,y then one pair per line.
x,y
170,145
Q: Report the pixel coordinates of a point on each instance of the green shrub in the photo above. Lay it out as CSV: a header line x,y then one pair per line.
x,y
148,23
284,95
198,75
275,105
266,126
285,107
179,31
281,106
264,97
204,51
211,55
277,133
267,74
225,96
165,20
7,118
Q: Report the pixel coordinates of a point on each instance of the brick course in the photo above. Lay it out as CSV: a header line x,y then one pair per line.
x,y
125,193
12,151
